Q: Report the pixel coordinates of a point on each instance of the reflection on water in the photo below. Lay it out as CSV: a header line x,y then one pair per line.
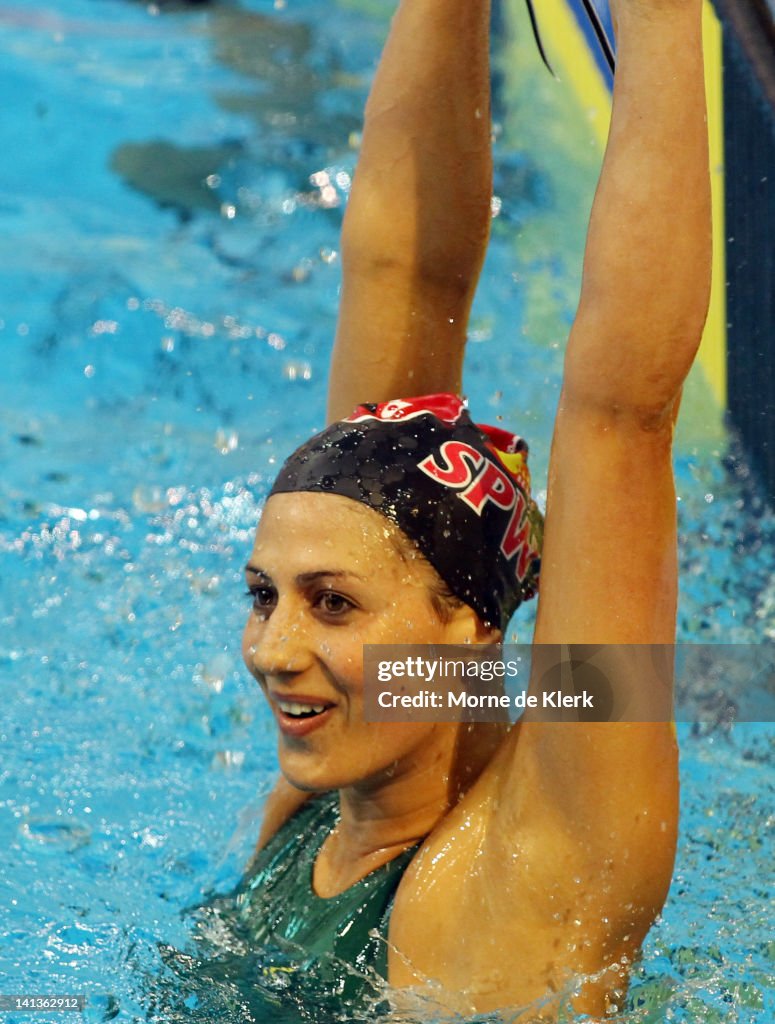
x,y
286,86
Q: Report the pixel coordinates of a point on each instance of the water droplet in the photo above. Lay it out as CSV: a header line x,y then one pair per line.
x,y
149,498
216,670
226,441
297,370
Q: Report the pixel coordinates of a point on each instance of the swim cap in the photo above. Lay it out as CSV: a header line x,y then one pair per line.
x,y
459,490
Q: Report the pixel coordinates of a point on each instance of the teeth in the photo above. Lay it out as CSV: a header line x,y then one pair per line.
x,y
292,708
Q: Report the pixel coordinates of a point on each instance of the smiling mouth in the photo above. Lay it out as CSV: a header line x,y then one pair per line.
x,y
299,711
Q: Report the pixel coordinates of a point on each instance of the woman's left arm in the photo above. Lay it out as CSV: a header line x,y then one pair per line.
x,y
606,794
646,279
609,561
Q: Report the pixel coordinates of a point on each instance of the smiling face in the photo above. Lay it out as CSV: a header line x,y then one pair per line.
x,y
327,578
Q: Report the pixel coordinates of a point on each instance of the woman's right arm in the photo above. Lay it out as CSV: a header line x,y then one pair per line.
x,y
418,216
281,804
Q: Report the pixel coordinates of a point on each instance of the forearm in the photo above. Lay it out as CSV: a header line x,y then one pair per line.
x,y
647,264
424,175
418,216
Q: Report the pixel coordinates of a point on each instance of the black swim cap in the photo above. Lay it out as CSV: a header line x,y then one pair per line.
x,y
459,490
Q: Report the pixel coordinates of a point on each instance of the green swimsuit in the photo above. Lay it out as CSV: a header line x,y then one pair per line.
x,y
294,950
276,899
275,952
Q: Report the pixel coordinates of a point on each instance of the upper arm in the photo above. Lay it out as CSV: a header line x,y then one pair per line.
x,y
609,560
609,578
597,802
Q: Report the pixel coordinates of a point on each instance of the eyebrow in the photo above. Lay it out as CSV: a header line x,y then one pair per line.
x,y
305,578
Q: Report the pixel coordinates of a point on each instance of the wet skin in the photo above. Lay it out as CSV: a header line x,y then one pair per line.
x,y
325,581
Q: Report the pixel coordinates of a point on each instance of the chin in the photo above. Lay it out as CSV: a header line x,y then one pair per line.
x,y
305,772
310,773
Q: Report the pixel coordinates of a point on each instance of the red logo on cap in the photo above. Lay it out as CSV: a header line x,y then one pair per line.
x,y
479,481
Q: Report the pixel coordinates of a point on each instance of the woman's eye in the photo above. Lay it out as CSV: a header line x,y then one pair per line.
x,y
333,603
263,597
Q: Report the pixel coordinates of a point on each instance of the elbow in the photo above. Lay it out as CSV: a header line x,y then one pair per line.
x,y
630,369
387,257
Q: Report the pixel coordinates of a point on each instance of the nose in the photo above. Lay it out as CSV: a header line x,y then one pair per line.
x,y
277,645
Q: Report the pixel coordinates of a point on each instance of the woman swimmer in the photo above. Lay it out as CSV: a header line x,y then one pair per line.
x,y
503,865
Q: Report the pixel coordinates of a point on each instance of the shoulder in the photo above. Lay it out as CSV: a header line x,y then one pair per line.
x,y
514,894
283,803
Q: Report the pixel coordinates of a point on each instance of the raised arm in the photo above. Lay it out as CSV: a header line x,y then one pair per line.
x,y
609,567
418,217
646,279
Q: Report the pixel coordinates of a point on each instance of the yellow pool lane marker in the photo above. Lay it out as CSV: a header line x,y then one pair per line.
x,y
713,353
575,64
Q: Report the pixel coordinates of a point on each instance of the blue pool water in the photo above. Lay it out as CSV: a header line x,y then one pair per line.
x,y
171,195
